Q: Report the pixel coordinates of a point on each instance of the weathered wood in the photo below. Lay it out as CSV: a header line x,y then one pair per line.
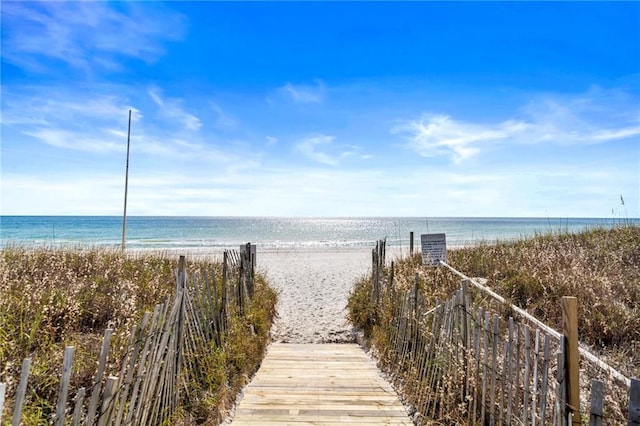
x,y
3,390
634,402
561,398
494,368
20,393
97,382
411,243
485,368
545,378
319,384
77,409
534,392
570,332
106,409
64,386
542,326
527,370
597,403
509,362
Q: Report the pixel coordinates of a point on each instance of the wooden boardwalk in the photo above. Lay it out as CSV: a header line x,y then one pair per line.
x,y
319,384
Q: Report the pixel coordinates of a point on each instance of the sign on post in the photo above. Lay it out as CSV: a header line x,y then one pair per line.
x,y
434,249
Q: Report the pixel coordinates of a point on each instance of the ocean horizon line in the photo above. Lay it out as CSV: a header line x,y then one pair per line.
x,y
321,217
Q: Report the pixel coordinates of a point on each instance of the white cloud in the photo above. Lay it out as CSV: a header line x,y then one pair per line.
x,y
305,94
435,135
78,141
311,148
171,109
551,120
85,35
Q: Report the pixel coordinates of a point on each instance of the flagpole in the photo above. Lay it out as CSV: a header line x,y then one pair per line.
x,y
126,186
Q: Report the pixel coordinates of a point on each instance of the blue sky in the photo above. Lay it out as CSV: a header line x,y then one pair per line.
x,y
321,109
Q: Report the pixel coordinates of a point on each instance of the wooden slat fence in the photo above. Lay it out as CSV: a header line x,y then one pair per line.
x,y
164,353
465,364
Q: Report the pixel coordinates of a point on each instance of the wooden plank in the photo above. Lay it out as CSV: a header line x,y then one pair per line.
x,y
20,394
319,384
64,385
77,410
3,390
597,401
97,382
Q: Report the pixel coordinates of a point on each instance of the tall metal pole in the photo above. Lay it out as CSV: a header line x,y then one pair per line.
x,y
126,186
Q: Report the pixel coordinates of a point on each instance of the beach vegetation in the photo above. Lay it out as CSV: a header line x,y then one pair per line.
x,y
601,267
51,298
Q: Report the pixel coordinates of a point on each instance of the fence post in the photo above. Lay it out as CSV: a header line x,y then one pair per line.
x,y
561,399
3,389
597,401
182,287
97,382
64,385
240,292
22,389
634,403
181,273
570,331
415,294
411,243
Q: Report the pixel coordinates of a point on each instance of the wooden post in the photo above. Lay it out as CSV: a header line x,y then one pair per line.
x,y
97,381
77,410
634,403
561,398
570,331
64,385
20,394
415,294
411,243
597,401
181,273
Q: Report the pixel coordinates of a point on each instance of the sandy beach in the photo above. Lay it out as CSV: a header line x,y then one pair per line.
x,y
313,286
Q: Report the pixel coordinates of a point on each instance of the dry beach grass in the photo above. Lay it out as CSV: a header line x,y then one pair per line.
x,y
54,297
601,267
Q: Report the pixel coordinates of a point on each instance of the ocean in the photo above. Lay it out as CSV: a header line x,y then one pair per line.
x,y
219,233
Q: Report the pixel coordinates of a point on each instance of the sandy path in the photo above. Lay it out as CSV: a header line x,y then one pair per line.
x,y
313,287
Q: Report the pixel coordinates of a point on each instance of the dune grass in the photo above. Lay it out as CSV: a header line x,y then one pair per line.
x,y
55,297
601,267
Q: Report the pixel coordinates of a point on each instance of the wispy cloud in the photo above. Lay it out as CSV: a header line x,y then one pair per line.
x,y
582,120
436,135
85,35
94,123
171,109
303,93
311,148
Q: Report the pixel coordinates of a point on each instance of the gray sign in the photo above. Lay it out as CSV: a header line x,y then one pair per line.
x,y
434,249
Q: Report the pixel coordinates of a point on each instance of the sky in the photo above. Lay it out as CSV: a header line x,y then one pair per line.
x,y
428,109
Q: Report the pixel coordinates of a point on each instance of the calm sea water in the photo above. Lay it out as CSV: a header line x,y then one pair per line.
x,y
229,232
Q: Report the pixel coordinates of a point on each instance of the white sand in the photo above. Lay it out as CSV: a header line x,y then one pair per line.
x,y
313,286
